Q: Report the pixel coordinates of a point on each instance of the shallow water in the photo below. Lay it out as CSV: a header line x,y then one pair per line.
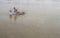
x,y
41,20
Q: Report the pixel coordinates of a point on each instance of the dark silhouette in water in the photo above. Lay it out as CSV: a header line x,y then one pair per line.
x,y
20,13
10,13
15,13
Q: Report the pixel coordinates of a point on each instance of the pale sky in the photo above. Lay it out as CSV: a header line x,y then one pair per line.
x,y
29,0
